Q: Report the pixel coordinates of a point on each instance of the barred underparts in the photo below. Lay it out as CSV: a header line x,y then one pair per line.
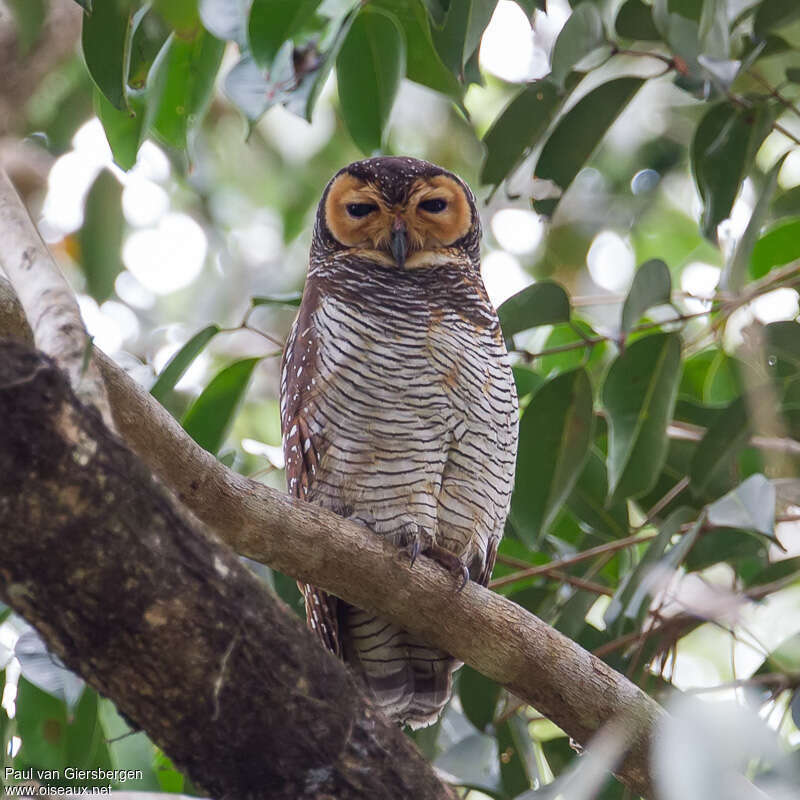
x,y
398,403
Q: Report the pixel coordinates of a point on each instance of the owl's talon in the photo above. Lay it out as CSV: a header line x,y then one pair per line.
x,y
450,561
415,547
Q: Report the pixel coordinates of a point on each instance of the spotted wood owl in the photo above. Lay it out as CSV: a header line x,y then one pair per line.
x,y
398,404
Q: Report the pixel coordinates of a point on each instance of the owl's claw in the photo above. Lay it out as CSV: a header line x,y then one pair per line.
x,y
450,561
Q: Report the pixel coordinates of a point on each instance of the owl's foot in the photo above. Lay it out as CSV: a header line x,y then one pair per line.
x,y
450,561
413,538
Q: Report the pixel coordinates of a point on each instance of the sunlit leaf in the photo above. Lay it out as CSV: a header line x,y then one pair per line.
x,y
369,69
517,128
579,132
779,245
43,669
652,286
581,34
181,361
751,506
251,90
541,303
210,417
180,86
181,16
100,237
639,395
555,434
272,22
124,129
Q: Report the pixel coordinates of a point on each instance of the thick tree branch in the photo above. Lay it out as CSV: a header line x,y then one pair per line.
x,y
47,299
166,621
577,691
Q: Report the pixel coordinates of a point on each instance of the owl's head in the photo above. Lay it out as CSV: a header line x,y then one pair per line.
x,y
399,212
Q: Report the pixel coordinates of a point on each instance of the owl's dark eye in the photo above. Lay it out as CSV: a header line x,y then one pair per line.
x,y
433,206
359,210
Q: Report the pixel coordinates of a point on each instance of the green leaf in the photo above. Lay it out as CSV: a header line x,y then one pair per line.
x,y
181,361
42,725
722,151
787,204
29,17
793,74
779,245
516,754
639,396
587,501
210,417
105,40
735,273
423,63
437,10
773,14
652,286
581,34
272,22
85,4
369,69
181,16
478,695
527,381
579,132
331,53
751,506
555,435
635,21
100,237
290,299
517,128
459,37
782,348
541,303
720,444
180,86
124,129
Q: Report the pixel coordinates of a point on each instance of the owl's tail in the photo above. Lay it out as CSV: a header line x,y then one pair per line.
x,y
410,681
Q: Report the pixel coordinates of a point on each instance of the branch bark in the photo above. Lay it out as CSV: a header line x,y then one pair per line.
x,y
576,690
48,301
166,621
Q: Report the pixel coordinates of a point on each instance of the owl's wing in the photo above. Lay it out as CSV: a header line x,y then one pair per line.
x,y
301,454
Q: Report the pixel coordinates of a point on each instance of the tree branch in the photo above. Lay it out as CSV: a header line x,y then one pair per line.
x,y
47,299
577,691
166,621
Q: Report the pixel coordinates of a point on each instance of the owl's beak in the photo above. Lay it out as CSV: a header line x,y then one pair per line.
x,y
399,241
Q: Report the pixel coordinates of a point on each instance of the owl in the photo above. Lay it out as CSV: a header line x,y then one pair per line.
x,y
398,405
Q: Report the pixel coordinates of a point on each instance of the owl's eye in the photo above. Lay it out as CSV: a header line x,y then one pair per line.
x,y
359,210
433,206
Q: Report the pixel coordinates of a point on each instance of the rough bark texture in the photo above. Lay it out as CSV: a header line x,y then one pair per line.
x,y
165,620
578,691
